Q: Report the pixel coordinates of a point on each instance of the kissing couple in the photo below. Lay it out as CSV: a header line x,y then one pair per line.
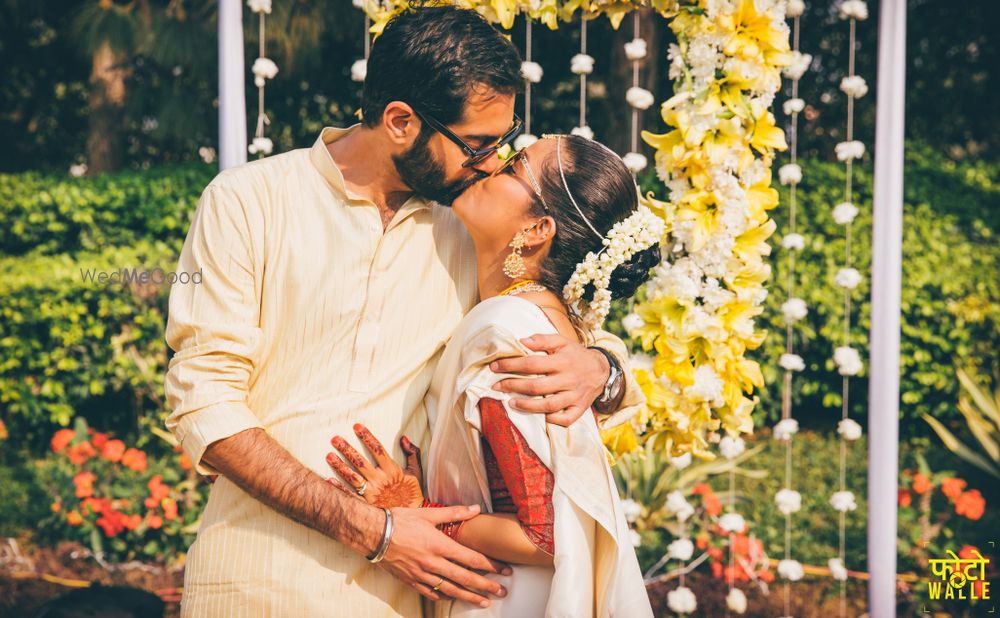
x,y
410,288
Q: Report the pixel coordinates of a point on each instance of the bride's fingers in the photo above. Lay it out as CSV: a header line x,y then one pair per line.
x,y
344,470
366,469
412,453
382,458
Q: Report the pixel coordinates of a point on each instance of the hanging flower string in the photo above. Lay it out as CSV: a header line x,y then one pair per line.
x,y
583,65
635,52
794,309
263,69
846,358
529,70
359,70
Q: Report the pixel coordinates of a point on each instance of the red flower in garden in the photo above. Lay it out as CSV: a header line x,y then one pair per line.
x,y
80,453
157,492
921,484
716,569
134,459
98,439
971,504
3,431
155,522
112,522
74,518
766,575
185,462
61,440
84,482
905,499
701,488
113,450
953,488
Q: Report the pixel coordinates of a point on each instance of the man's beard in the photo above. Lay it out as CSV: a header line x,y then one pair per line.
x,y
422,173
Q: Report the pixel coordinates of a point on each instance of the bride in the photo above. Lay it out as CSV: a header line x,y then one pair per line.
x,y
558,233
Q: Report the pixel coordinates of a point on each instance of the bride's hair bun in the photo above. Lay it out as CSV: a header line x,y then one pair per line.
x,y
627,278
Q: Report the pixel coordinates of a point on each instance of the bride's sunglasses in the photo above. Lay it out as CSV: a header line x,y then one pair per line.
x,y
508,168
475,156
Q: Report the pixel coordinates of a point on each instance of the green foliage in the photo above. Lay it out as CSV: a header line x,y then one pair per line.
x,y
22,501
50,214
69,344
982,416
950,298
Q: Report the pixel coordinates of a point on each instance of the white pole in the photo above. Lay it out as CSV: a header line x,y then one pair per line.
x,y
887,243
232,98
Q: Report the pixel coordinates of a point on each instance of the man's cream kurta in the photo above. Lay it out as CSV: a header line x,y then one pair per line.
x,y
309,318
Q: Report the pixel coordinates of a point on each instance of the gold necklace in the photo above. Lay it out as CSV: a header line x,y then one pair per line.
x,y
521,287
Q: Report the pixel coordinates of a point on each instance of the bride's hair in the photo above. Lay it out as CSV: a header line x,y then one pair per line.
x,y
606,194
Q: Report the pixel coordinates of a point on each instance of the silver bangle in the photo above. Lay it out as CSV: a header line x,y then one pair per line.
x,y
386,537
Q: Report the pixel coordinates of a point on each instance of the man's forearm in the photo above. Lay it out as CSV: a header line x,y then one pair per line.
x,y
256,463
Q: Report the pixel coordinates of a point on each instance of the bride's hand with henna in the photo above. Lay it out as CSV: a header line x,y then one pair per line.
x,y
382,483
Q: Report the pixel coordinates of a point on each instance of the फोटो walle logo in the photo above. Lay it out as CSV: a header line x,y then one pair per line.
x,y
960,578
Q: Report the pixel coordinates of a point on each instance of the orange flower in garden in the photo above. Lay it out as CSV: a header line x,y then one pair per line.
x,y
3,431
766,576
701,541
61,440
84,482
98,439
712,505
95,505
701,488
157,492
966,553
131,522
971,504
921,484
80,453
56,506
113,450
74,518
905,499
170,509
134,459
717,569
155,522
185,462
953,488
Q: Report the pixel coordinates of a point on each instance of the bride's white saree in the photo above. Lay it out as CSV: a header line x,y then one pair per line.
x,y
595,569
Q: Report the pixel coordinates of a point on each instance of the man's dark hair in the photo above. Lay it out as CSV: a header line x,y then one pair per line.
x,y
431,57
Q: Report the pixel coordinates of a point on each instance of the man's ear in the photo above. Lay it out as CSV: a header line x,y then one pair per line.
x,y
400,123
543,230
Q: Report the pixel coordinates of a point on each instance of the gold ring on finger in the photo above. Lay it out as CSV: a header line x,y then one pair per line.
x,y
438,586
361,490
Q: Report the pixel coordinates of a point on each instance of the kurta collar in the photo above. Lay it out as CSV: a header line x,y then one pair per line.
x,y
320,157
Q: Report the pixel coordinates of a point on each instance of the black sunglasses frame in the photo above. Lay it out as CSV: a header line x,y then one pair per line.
x,y
475,155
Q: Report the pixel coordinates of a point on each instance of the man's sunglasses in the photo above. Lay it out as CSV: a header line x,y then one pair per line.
x,y
475,155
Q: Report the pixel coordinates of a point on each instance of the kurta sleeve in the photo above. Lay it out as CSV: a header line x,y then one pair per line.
x,y
526,478
213,327
634,400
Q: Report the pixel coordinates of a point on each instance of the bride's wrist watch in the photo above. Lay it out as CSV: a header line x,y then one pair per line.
x,y
613,387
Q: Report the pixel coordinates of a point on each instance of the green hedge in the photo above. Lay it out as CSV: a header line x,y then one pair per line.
x,y
70,345
950,291
53,214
